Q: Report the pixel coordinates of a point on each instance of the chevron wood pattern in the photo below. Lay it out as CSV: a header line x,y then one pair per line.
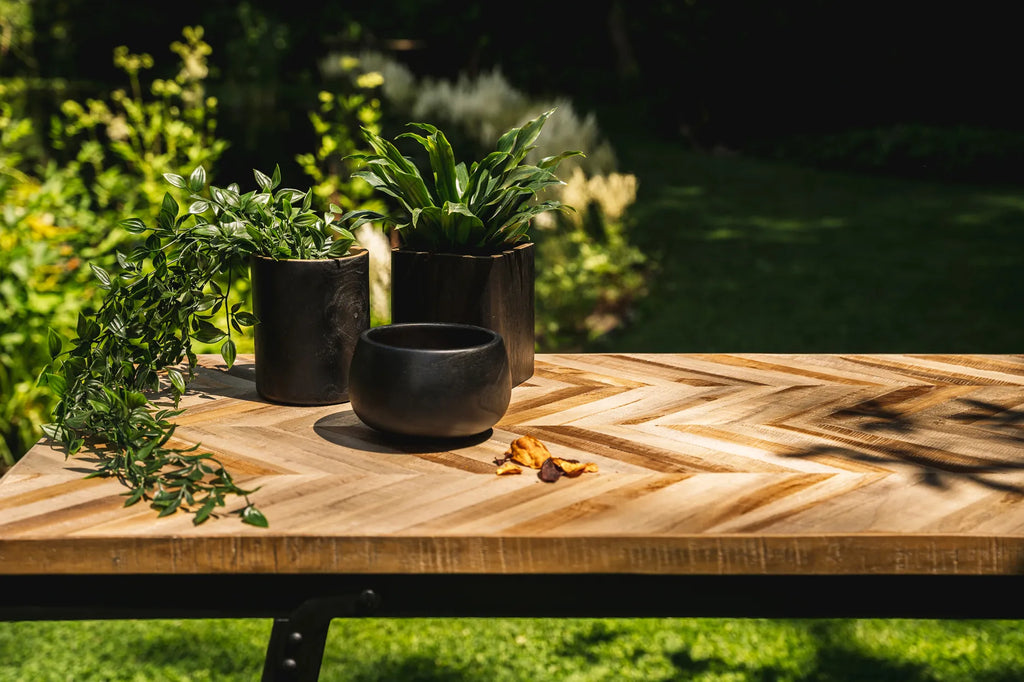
x,y
708,463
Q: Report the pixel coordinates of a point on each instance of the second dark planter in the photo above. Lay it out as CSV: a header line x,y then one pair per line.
x,y
495,292
310,314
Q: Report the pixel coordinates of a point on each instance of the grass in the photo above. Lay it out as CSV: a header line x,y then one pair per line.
x,y
510,650
764,257
752,256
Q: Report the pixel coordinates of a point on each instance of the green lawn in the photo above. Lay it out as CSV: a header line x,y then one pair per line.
x,y
752,256
507,650
765,257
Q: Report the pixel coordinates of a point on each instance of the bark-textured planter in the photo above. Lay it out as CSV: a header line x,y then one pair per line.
x,y
310,314
495,292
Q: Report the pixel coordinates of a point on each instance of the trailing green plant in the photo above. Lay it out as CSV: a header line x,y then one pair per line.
x,y
120,380
485,209
104,160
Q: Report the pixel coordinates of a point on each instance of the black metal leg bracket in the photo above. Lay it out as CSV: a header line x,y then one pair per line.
x,y
296,649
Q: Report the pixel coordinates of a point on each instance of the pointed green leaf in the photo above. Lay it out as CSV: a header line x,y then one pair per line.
x,y
228,352
101,275
254,517
55,382
175,180
133,225
197,180
169,207
204,512
246,319
177,380
264,182
54,342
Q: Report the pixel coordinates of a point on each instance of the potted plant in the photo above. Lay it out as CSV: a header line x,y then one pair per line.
x,y
310,288
135,351
464,252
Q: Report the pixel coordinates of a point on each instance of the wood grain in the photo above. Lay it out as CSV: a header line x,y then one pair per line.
x,y
708,464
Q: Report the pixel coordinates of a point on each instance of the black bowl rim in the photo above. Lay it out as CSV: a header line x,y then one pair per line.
x,y
494,340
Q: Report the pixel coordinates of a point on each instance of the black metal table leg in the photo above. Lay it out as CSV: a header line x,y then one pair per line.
x,y
296,648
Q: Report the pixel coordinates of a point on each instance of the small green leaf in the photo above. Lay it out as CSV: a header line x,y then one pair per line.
x,y
197,180
175,180
169,207
170,508
228,352
339,248
177,380
83,327
246,319
101,275
265,183
204,512
133,225
198,207
254,517
207,302
55,382
207,333
54,342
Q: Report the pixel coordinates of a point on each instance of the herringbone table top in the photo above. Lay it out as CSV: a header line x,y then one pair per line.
x,y
707,464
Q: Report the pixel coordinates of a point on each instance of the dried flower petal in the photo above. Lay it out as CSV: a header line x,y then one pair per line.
x,y
529,452
570,467
549,471
508,468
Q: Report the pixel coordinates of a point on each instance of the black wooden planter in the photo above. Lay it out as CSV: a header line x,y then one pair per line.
x,y
311,313
495,292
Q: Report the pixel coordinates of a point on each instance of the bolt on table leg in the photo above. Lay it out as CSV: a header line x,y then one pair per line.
x,y
296,648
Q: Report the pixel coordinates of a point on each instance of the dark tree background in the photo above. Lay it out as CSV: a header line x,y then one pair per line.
x,y
743,74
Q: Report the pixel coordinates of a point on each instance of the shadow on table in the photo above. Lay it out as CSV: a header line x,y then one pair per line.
x,y
345,428
879,435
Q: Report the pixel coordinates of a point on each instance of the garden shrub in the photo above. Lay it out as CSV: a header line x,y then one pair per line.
x,y
351,104
61,214
111,152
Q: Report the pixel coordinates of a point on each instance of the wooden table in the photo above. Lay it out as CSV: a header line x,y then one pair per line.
x,y
728,484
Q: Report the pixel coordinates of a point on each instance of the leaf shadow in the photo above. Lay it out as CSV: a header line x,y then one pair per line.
x,y
877,434
583,644
837,658
414,668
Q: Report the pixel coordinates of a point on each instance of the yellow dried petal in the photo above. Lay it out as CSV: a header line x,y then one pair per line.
x,y
570,467
529,452
508,468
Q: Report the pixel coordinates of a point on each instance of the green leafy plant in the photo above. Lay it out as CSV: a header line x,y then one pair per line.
x,y
60,195
484,209
120,380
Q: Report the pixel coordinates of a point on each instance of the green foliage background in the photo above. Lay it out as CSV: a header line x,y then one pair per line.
x,y
102,156
751,255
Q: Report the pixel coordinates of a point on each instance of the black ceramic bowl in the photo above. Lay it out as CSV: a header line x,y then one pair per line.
x,y
430,379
